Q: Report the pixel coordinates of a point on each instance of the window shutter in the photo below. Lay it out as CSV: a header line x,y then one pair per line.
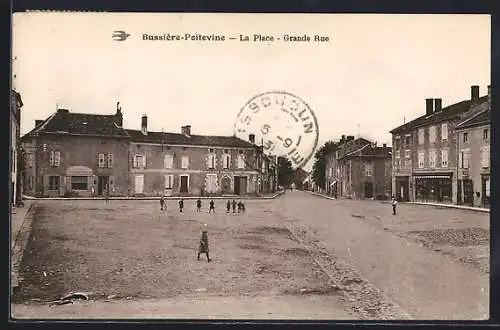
x,y
208,161
110,160
101,160
461,159
57,158
51,159
144,161
134,160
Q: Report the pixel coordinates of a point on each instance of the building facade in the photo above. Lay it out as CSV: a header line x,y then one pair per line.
x,y
474,165
425,152
71,154
358,168
15,151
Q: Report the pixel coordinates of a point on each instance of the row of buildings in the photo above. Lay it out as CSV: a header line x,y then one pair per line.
x,y
442,156
15,157
74,154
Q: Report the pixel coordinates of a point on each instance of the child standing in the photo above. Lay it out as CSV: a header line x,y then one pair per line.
x,y
212,207
181,205
203,245
394,202
242,207
162,202
198,205
228,206
234,206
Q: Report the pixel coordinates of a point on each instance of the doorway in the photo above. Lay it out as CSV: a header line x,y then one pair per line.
x,y
468,192
184,183
139,184
368,189
102,184
240,185
403,189
485,183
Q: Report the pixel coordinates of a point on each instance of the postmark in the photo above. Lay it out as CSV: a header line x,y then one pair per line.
x,y
282,123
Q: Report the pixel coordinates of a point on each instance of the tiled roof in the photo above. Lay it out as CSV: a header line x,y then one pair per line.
x,y
480,119
64,122
447,113
180,139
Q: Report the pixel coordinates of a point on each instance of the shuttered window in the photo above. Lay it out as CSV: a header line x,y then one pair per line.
x,y
102,158
110,161
168,161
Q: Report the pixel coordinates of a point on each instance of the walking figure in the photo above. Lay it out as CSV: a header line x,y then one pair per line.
x,y
394,202
181,205
212,207
228,206
234,206
239,206
198,205
203,245
162,202
242,207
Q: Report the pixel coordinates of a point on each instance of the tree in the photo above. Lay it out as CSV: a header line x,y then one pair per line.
x,y
318,172
285,171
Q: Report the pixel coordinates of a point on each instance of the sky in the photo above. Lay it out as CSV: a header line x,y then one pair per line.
x,y
373,74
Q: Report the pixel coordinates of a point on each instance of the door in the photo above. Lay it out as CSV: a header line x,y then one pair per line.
x,y
226,185
243,185
368,189
468,192
402,189
237,185
102,184
184,184
485,183
211,183
139,184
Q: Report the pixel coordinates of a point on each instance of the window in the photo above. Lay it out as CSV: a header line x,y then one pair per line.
x,y
79,182
240,152
185,162
168,161
368,169
407,153
397,154
110,160
407,163
55,159
432,134
169,181
463,158
485,157
420,136
241,161
102,160
465,137
397,142
432,158
486,134
397,163
487,187
407,140
139,161
226,160
226,151
444,131
421,159
211,151
31,159
53,182
211,161
444,158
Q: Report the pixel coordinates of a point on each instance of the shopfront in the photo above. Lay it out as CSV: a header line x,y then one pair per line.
x,y
433,188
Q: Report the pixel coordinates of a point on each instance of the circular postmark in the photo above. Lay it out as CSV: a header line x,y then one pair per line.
x,y
282,123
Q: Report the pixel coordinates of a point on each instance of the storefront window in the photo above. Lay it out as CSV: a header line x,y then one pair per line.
x,y
79,182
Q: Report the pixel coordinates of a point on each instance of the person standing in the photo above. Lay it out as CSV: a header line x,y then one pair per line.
x,y
181,205
234,206
228,206
106,194
394,202
242,207
162,202
239,206
212,206
198,205
203,245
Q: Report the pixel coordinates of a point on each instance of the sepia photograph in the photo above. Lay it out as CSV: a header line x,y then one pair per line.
x,y
180,166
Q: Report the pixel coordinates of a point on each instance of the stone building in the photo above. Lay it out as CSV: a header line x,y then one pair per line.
x,y
474,165
15,188
358,168
425,151
75,154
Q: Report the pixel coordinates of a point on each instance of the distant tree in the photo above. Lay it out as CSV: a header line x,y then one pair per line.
x,y
318,170
285,171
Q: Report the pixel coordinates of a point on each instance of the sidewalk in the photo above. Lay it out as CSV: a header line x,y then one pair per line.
x,y
153,198
463,207
17,219
20,231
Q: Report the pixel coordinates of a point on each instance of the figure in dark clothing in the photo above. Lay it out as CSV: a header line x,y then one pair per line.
x,y
212,207
162,202
234,206
198,205
228,206
106,194
181,205
203,245
242,207
394,202
239,206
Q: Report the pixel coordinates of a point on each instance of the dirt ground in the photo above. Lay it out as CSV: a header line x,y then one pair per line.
x,y
132,251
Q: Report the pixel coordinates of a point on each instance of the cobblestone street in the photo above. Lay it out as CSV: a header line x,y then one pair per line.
x,y
331,259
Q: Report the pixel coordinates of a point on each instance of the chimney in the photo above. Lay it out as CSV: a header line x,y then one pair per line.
x,y
38,122
384,145
350,137
144,124
428,106
342,139
186,130
118,115
251,138
474,93
438,105
489,94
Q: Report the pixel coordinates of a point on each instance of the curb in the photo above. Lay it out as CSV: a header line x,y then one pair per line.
x,y
19,246
452,206
152,198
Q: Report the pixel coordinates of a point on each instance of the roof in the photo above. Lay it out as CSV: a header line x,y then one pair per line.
x,y
181,139
64,122
351,146
480,119
447,113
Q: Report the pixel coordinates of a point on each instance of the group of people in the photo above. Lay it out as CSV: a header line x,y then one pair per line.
x,y
229,204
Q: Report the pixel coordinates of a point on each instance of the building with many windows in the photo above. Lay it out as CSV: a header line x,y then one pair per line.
x,y
474,165
358,168
425,152
14,147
